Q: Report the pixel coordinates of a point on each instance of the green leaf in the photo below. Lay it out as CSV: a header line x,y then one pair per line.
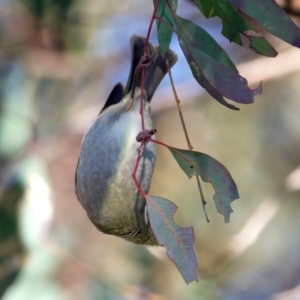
x,y
179,242
199,38
236,28
207,8
212,171
269,15
217,78
165,31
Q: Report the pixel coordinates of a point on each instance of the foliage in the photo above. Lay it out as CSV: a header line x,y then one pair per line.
x,y
217,74
177,240
212,69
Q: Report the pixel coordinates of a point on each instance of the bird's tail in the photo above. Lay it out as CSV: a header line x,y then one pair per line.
x,y
156,71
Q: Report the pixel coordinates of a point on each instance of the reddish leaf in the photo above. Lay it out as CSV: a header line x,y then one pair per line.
x,y
178,241
201,78
225,81
212,171
269,15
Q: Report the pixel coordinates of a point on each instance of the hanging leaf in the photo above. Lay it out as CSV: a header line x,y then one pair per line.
x,y
235,27
206,7
210,170
179,242
165,31
269,15
201,78
199,38
220,80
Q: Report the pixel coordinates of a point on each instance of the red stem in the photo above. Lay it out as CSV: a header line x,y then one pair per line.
x,y
142,104
135,170
137,184
158,142
150,25
143,70
142,99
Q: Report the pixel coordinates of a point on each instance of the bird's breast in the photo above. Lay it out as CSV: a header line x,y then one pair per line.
x,y
108,157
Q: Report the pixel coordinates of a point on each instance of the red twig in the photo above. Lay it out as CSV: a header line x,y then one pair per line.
x,y
142,105
150,25
143,70
135,170
158,142
142,99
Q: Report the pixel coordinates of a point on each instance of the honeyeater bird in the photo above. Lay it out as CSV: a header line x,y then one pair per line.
x,y
110,148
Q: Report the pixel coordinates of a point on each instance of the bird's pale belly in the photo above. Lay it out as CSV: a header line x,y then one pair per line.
x,y
121,190
108,185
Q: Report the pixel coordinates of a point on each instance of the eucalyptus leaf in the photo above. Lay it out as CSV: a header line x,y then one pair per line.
x,y
165,31
272,17
199,76
212,171
199,38
235,28
221,78
178,241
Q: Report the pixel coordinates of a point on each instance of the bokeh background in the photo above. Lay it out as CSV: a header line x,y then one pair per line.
x,y
58,62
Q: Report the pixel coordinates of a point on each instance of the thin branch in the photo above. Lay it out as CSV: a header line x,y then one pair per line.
x,y
138,186
151,25
143,70
142,105
177,101
190,147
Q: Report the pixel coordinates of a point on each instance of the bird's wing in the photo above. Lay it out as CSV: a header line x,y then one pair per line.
x,y
155,72
114,97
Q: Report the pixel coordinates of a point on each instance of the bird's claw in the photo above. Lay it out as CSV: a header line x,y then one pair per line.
x,y
144,63
145,134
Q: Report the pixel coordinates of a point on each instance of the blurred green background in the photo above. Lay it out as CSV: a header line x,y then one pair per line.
x,y
58,62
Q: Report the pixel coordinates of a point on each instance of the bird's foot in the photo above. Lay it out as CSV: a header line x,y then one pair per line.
x,y
144,63
145,134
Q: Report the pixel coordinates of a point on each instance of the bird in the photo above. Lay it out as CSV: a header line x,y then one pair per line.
x,y
110,148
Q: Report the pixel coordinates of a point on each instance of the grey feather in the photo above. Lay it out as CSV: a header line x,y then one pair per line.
x,y
108,154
